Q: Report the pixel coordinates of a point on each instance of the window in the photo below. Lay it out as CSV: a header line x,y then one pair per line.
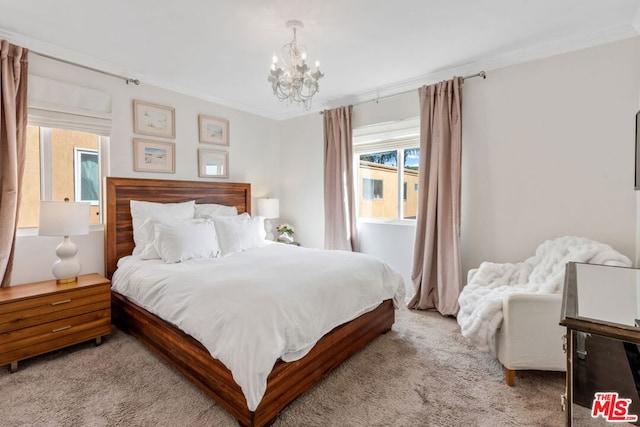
x,y
86,172
372,189
387,158
60,163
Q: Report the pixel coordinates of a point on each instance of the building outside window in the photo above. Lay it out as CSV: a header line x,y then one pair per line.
x,y
387,163
60,164
86,171
372,189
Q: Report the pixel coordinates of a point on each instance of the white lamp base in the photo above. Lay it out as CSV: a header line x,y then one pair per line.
x,y
269,229
67,267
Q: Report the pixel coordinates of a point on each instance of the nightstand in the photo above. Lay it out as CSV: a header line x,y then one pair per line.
x,y
40,317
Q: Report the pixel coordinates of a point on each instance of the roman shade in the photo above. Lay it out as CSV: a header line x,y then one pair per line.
x,y
57,104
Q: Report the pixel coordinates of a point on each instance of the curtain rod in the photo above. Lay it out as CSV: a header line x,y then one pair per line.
x,y
126,79
479,74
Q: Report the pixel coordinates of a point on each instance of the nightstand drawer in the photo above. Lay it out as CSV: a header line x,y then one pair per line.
x,y
54,299
55,339
25,336
52,307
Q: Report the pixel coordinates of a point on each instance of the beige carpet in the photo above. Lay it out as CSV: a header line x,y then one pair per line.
x,y
423,373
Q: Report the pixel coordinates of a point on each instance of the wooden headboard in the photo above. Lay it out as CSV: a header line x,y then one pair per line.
x,y
118,237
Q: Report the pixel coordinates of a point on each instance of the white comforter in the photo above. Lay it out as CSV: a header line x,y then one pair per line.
x,y
249,309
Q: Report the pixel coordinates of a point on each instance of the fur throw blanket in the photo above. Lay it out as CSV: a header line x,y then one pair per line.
x,y
480,301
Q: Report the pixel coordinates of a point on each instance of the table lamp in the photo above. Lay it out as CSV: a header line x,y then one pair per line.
x,y
269,209
64,219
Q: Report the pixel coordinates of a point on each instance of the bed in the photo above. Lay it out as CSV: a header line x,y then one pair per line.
x,y
287,380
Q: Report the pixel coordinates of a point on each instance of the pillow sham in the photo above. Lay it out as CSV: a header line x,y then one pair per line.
x,y
142,211
209,210
239,233
179,241
149,251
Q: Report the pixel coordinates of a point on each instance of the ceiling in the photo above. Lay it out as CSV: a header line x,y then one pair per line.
x,y
220,50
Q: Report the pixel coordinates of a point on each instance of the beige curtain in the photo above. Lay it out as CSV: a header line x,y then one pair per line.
x,y
339,205
13,128
436,272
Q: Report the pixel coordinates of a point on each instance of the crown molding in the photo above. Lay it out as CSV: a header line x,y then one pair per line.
x,y
539,51
83,60
38,46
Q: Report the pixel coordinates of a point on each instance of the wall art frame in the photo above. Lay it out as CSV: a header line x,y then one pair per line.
x,y
154,156
213,130
153,119
213,163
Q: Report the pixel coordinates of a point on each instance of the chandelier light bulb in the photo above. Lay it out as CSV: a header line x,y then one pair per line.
x,y
291,79
274,58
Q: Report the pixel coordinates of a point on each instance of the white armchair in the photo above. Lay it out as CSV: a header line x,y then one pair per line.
x,y
530,336
513,310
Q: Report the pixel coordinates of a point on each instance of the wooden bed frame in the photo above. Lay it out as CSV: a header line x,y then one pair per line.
x,y
288,380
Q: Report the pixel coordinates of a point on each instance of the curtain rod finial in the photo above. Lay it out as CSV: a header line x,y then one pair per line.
x,y
134,81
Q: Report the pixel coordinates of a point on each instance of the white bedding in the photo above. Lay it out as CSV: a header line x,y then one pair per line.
x,y
251,308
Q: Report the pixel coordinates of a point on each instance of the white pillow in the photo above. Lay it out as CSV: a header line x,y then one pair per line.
x,y
239,233
142,211
184,240
209,210
148,228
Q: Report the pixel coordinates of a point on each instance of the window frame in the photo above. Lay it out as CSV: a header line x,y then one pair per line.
x,y
77,173
46,171
399,136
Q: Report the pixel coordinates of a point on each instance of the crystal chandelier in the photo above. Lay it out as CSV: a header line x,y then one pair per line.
x,y
294,80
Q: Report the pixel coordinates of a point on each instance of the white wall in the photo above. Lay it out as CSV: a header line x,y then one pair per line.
x,y
547,151
301,186
253,156
392,243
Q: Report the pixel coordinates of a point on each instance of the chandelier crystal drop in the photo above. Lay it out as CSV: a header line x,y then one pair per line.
x,y
292,79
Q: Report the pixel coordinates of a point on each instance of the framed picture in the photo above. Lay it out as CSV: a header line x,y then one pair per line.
x,y
213,164
153,119
154,156
212,130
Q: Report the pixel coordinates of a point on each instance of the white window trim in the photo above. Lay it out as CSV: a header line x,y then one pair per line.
x,y
402,142
46,165
404,222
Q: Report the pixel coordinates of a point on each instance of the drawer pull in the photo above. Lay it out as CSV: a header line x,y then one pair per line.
x,y
61,302
61,329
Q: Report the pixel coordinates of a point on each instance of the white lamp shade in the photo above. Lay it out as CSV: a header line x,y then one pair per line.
x,y
64,218
269,208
